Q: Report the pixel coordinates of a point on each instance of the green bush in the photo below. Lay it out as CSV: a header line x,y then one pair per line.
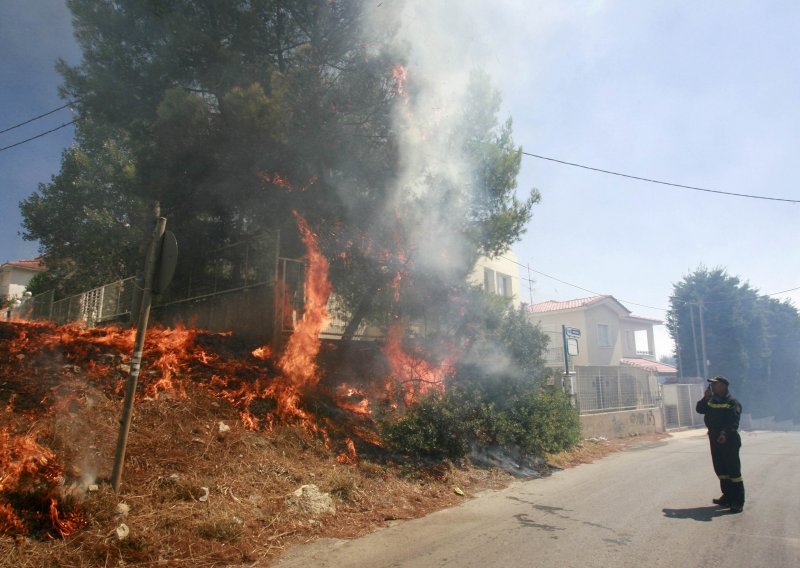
x,y
495,397
447,426
431,428
542,422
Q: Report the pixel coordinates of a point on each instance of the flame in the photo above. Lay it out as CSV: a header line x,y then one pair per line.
x,y
30,469
400,77
278,180
299,359
266,389
412,374
263,353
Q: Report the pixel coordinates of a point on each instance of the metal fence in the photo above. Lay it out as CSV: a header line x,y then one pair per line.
x,y
679,404
290,302
237,266
105,303
606,389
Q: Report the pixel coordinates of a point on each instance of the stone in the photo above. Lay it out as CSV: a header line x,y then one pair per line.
x,y
309,499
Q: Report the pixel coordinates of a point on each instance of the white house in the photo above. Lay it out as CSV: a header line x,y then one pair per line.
x,y
16,275
614,368
499,275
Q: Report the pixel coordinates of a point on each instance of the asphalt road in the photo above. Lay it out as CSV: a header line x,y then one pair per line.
x,y
649,506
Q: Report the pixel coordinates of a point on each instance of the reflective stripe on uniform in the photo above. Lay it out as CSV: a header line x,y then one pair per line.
x,y
719,405
736,479
724,476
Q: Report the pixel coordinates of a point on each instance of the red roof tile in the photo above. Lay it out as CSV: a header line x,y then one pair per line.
x,y
658,367
554,306
34,264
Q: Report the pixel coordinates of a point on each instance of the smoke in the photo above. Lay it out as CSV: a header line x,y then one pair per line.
x,y
438,50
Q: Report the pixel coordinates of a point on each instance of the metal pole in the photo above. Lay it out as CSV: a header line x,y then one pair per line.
x,y
678,358
565,343
151,262
703,342
530,284
694,341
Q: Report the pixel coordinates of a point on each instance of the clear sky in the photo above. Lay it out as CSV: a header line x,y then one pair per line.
x,y
697,93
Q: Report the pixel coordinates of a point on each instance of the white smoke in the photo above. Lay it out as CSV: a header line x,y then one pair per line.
x,y
441,46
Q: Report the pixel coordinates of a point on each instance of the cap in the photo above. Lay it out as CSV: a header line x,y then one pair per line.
x,y
719,379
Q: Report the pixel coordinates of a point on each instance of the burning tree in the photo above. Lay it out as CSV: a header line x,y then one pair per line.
x,y
233,116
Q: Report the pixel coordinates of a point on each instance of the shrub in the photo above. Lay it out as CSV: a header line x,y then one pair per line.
x,y
431,428
495,397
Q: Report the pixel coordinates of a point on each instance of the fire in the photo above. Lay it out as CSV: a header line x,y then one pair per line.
x,y
278,180
266,389
264,353
31,475
412,374
400,77
298,364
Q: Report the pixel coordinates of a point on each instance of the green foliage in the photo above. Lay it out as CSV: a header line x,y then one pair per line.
x,y
751,339
433,427
199,104
448,425
495,398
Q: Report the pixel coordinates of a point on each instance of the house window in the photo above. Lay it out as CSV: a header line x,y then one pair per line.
x,y
488,280
504,285
603,336
642,343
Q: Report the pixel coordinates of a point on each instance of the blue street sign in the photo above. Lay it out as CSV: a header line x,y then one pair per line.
x,y
573,331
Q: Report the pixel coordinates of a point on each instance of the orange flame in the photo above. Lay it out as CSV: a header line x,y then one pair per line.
x,y
278,180
400,77
299,361
411,373
30,467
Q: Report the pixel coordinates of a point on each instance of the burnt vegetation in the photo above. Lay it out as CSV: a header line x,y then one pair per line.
x,y
244,119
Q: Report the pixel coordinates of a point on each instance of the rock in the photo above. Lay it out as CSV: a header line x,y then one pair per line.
x,y
223,427
122,531
122,510
124,368
204,497
92,488
458,491
309,499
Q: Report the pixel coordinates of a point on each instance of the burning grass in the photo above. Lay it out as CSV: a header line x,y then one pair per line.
x,y
207,473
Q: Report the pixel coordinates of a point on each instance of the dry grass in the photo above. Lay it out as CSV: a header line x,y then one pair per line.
x,y
196,495
176,452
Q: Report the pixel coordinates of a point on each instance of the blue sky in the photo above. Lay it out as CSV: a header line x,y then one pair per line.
x,y
701,94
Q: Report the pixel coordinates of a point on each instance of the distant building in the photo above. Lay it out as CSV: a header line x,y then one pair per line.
x,y
499,275
615,366
16,275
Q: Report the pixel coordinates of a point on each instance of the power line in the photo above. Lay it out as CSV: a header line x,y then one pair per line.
x,y
620,299
576,286
48,113
4,148
661,182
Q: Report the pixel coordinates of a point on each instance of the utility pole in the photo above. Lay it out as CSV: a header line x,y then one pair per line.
x,y
694,340
703,341
679,361
151,263
530,283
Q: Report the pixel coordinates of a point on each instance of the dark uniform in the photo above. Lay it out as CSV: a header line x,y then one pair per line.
x,y
721,415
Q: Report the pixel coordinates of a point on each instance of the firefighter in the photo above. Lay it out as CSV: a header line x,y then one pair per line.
x,y
721,414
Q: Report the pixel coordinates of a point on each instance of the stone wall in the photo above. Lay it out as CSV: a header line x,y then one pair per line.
x,y
623,423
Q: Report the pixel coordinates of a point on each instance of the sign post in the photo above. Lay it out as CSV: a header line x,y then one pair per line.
x,y
163,264
569,337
